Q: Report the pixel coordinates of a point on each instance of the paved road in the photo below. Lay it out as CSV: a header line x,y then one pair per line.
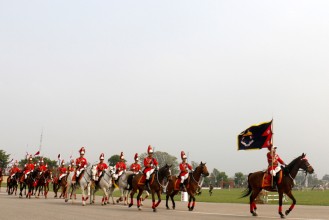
x,y
13,208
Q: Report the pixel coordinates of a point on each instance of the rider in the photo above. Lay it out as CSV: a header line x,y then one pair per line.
x,y
120,167
71,167
273,160
62,171
42,167
150,164
101,166
27,168
184,167
14,170
135,167
81,163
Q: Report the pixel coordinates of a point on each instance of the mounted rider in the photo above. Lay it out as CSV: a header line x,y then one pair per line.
x,y
81,163
71,167
184,168
136,167
62,171
120,167
150,165
13,171
27,168
101,167
42,167
273,160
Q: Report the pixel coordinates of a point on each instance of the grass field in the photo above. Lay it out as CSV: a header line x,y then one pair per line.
x,y
308,197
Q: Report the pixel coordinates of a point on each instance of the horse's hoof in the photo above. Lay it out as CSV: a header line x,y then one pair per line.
x,y
173,207
254,214
287,212
154,210
281,215
130,205
66,200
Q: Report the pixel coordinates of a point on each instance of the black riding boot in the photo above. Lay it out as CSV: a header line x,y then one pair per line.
x,y
275,185
147,184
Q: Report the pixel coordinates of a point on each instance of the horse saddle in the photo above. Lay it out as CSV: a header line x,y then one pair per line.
x,y
142,179
267,179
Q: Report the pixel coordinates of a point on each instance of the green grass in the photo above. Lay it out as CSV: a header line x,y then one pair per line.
x,y
309,197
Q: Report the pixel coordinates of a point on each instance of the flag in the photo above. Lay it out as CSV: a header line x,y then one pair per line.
x,y
37,153
256,137
59,156
27,155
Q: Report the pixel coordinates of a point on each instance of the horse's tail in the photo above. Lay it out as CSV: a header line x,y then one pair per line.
x,y
248,190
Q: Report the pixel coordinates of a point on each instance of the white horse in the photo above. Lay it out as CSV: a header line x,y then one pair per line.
x,y
123,187
105,183
84,184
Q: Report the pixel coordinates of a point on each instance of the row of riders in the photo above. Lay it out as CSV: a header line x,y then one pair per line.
x,y
152,178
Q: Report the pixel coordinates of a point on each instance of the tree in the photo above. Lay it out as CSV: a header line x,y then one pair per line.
x,y
239,179
114,159
4,159
325,177
164,158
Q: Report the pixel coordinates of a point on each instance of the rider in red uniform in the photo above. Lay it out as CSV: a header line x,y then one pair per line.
x,y
27,168
62,171
101,166
120,167
150,165
81,163
14,170
273,160
42,167
71,167
184,168
135,167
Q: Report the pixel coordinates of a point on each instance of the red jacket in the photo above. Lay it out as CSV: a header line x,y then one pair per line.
x,y
149,164
276,160
120,166
29,167
135,167
81,162
14,170
62,170
184,167
42,168
101,166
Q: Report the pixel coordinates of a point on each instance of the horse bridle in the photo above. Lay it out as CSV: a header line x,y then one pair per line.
x,y
163,186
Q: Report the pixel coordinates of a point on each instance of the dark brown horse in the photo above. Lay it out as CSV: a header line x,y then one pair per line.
x,y
30,182
1,177
12,183
59,184
193,185
255,184
156,185
43,183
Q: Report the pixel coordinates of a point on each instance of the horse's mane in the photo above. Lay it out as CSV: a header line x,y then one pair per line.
x,y
292,163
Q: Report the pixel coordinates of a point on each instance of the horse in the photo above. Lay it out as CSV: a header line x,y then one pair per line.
x,y
83,183
192,188
12,183
30,183
156,179
43,183
256,184
57,184
104,183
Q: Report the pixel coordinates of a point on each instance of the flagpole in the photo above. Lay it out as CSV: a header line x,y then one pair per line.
x,y
40,141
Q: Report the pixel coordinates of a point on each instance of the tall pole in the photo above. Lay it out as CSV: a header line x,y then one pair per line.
x,y
40,141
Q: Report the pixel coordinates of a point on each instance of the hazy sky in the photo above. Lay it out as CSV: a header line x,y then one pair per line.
x,y
180,75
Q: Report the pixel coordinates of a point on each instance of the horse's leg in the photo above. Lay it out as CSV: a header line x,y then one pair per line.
x,y
132,192
83,196
153,200
140,192
252,203
159,198
293,202
172,200
280,205
192,197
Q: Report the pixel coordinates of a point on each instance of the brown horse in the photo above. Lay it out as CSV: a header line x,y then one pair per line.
x,y
30,183
193,185
255,184
12,183
59,184
43,183
156,181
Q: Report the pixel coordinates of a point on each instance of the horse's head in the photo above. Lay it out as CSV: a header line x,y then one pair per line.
x,y
165,171
93,171
305,165
111,170
202,168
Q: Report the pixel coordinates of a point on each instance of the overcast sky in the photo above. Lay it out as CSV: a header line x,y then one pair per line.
x,y
180,75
